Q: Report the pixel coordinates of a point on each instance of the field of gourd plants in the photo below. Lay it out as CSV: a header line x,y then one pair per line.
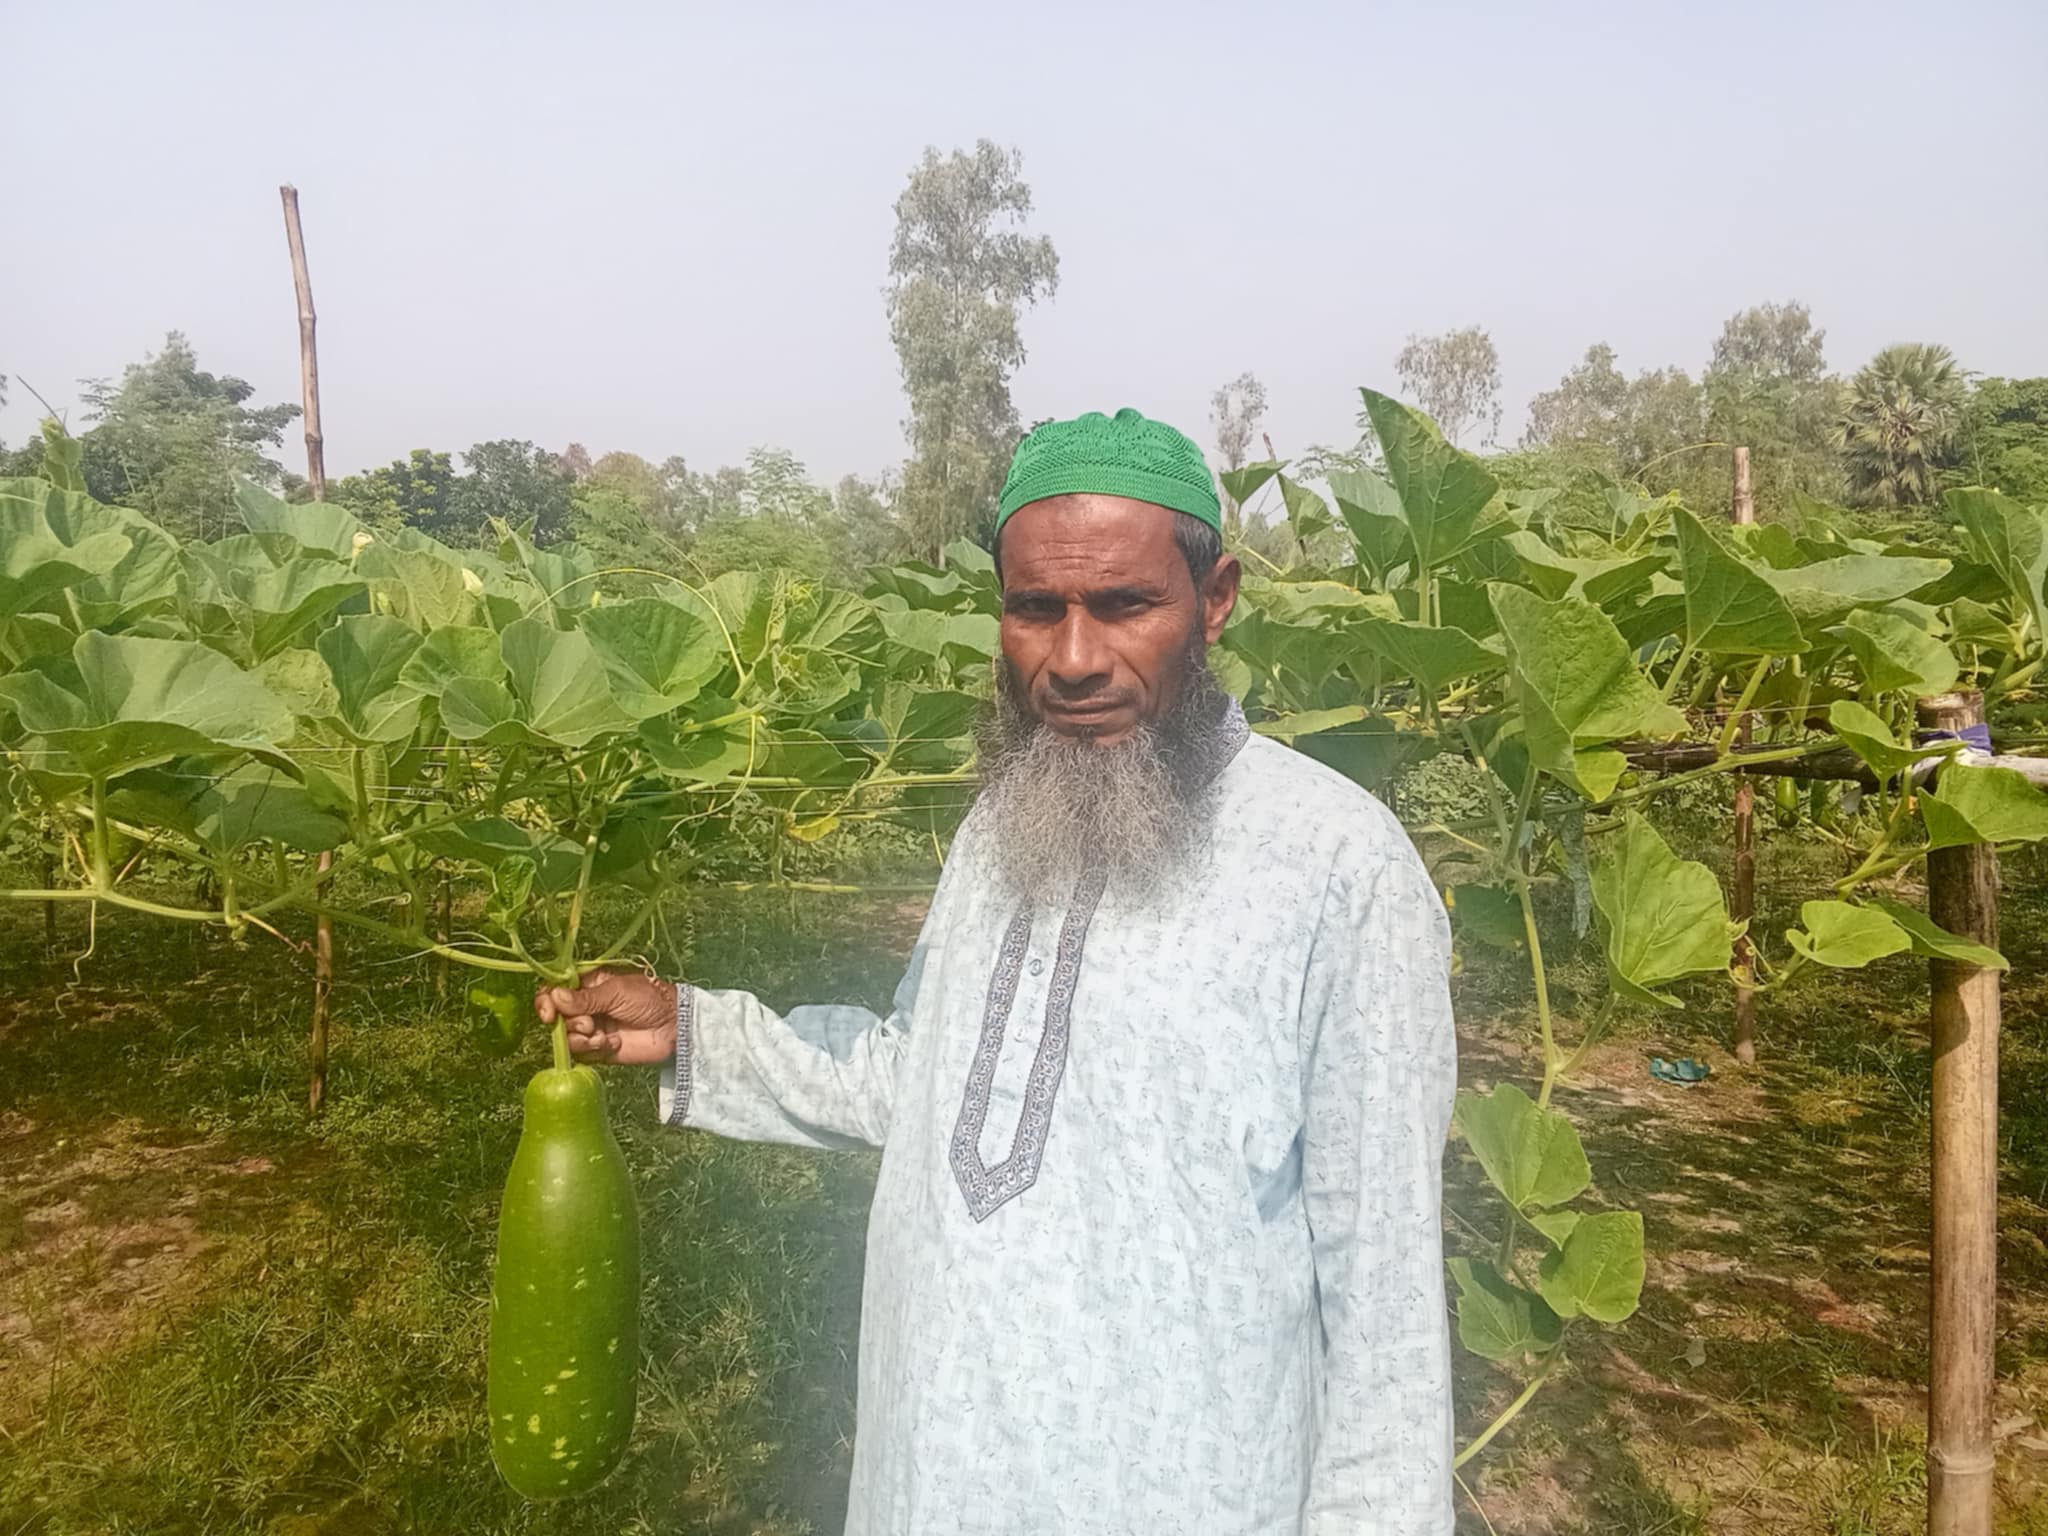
x,y
215,717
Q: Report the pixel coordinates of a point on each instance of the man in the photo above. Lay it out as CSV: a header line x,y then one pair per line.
x,y
1155,1244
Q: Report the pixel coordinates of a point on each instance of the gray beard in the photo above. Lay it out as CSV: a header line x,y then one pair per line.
x,y
1138,812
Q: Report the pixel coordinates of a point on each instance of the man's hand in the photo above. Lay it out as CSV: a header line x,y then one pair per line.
x,y
614,1016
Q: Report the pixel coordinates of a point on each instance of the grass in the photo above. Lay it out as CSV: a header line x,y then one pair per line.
x,y
218,1316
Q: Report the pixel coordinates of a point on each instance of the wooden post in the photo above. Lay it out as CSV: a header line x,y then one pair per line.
x,y
1962,896
316,480
309,361
1744,896
441,932
49,907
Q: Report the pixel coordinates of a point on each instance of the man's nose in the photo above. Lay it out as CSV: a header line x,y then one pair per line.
x,y
1080,662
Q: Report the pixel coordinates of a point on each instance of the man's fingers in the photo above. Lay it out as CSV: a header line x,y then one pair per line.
x,y
593,994
588,1041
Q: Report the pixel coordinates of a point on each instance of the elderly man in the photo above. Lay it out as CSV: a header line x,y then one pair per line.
x,y
1155,1244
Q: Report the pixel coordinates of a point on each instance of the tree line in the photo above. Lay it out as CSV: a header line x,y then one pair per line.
x,y
1893,436
170,439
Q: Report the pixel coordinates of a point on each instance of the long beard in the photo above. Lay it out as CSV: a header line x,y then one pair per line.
x,y
1060,808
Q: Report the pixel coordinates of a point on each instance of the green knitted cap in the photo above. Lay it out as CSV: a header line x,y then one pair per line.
x,y
1124,455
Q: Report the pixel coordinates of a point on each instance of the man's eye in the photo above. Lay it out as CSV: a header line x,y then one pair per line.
x,y
1035,608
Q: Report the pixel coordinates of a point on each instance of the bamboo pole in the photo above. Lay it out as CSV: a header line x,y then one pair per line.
x,y
309,360
1962,896
316,480
1744,894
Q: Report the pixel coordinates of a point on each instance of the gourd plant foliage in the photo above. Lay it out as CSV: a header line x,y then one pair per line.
x,y
520,718
516,716
1431,612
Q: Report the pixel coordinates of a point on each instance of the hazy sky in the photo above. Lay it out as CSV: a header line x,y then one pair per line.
x,y
665,227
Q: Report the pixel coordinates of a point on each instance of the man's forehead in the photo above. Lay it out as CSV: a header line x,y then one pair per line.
x,y
1112,535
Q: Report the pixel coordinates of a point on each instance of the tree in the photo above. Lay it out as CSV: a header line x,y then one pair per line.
x,y
1899,425
515,481
1629,424
171,440
1771,342
2003,439
779,488
1455,378
417,491
864,526
1768,389
1234,413
961,271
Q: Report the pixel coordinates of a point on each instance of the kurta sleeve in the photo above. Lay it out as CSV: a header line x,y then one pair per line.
x,y
817,1076
1380,1069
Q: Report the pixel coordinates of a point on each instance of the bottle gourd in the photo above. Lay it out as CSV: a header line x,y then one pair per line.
x,y
565,1349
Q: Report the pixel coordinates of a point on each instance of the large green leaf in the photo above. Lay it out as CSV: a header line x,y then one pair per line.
x,y
555,693
1497,1319
37,559
1897,655
1532,1156
1241,485
1444,492
2012,540
560,682
1578,686
1664,915
1431,655
835,623
1824,593
367,654
455,651
145,578
425,589
926,729
703,756
137,702
225,813
1602,580
1371,510
742,604
1307,513
1973,804
658,654
1729,608
1934,942
921,587
1845,937
1372,753
1489,914
1866,735
491,841
1598,1273
258,606
1310,722
321,527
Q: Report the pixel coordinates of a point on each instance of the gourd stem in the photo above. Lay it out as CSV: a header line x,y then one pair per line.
x,y
558,1038
1485,1436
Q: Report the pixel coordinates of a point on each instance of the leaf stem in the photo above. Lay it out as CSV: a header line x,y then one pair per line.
x,y
1735,717
1507,1414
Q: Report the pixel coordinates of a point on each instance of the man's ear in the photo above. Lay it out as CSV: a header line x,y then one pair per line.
x,y
1219,596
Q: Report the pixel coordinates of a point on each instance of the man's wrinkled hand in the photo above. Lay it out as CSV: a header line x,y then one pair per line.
x,y
620,1017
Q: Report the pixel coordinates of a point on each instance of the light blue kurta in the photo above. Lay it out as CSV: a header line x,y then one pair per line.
x,y
1155,1247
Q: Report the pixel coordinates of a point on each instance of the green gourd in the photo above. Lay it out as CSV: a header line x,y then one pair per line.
x,y
565,1295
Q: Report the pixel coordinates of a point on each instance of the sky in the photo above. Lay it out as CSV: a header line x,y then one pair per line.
x,y
665,227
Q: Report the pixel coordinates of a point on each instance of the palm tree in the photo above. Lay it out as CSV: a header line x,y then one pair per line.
x,y
1899,423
